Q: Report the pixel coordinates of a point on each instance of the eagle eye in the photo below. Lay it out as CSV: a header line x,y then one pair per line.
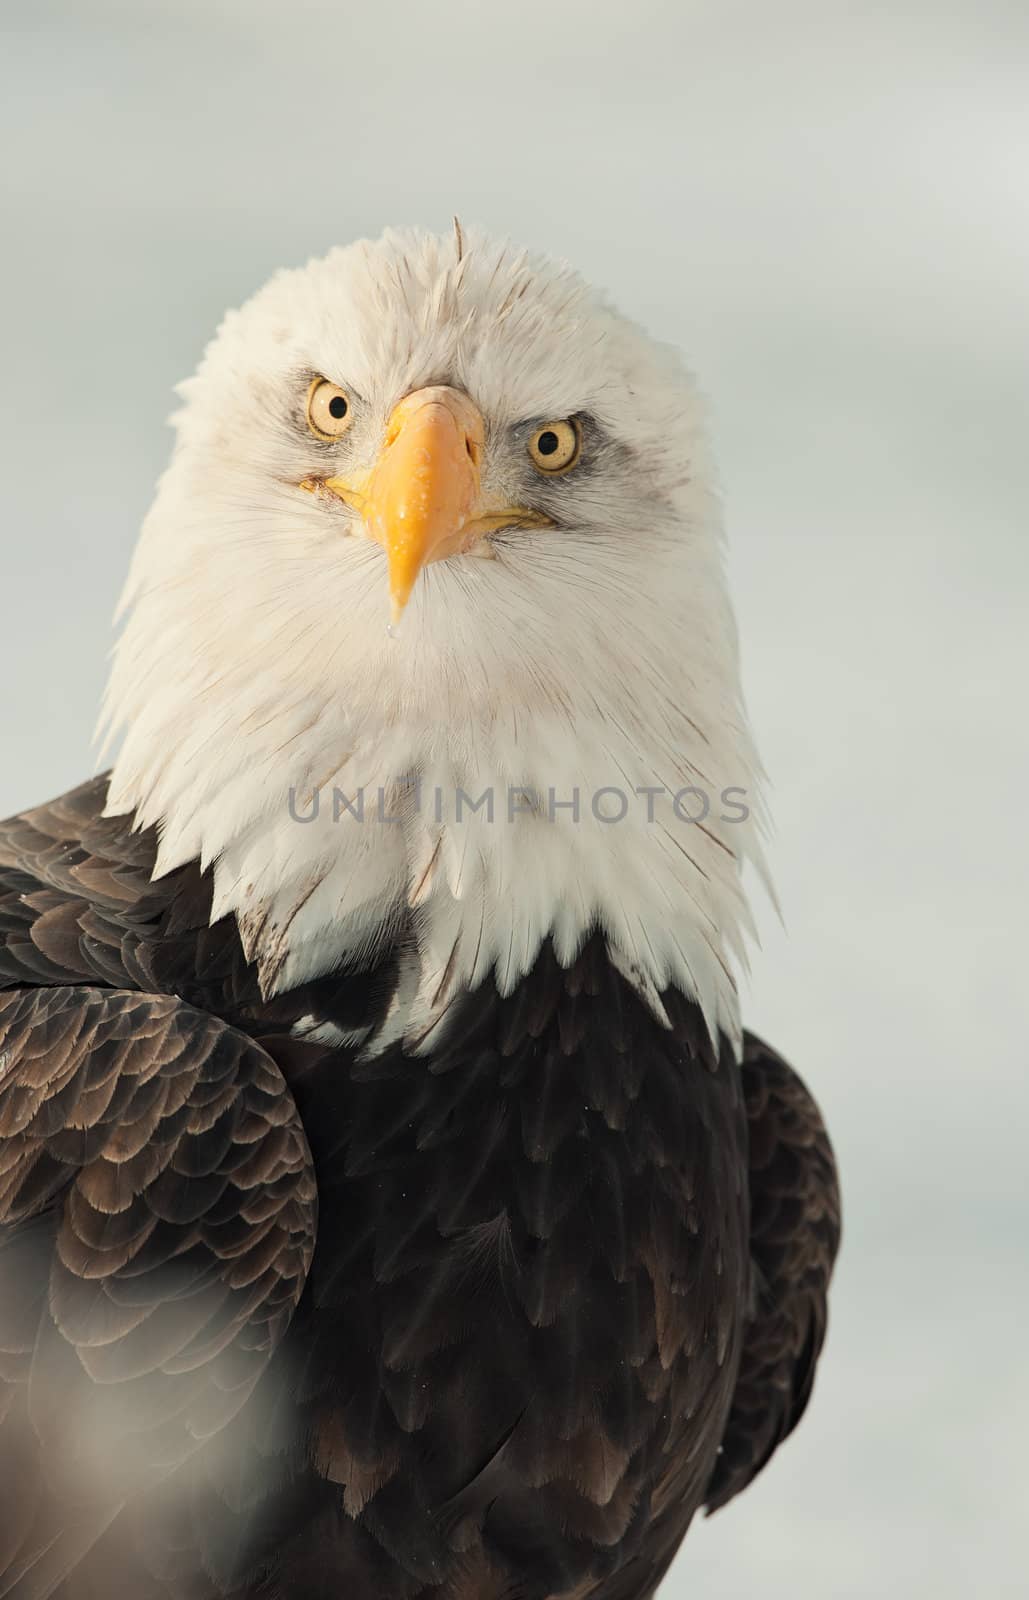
x,y
328,409
556,446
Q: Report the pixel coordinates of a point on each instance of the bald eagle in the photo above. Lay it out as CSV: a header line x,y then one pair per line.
x,y
391,1203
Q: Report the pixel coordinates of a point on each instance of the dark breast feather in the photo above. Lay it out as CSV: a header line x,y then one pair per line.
x,y
515,1360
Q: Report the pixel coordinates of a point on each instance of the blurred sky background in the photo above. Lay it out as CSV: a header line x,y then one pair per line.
x,y
827,207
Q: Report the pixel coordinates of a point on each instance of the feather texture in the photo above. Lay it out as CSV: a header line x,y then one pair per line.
x,y
569,1281
157,1221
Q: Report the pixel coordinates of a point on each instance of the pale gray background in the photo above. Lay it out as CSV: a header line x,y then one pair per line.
x,y
825,205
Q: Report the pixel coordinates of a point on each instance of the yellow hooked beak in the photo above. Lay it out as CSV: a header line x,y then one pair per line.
x,y
422,500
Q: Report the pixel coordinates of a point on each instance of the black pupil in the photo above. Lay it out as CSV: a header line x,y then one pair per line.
x,y
547,442
337,407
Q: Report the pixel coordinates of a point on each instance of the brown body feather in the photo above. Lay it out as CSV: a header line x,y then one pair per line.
x,y
569,1281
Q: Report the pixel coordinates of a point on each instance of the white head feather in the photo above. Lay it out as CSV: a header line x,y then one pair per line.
x,y
596,655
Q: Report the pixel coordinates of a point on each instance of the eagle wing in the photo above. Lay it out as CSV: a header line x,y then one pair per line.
x,y
794,1237
78,905
157,1222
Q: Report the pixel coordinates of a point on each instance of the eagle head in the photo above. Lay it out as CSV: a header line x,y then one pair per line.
x,y
427,637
